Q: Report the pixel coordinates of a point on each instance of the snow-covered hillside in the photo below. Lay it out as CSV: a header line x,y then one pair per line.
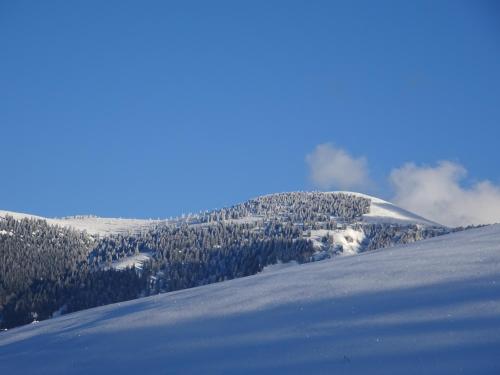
x,y
92,224
432,307
382,211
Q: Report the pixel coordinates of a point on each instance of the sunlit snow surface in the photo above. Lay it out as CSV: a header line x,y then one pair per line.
x,y
432,307
93,225
349,239
385,212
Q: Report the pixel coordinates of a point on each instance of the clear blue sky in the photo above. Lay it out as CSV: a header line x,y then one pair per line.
x,y
154,108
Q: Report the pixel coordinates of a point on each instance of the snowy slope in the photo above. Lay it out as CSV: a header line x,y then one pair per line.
x,y
432,307
385,212
92,224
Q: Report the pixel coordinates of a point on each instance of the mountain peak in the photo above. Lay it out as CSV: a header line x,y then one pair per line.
x,y
387,212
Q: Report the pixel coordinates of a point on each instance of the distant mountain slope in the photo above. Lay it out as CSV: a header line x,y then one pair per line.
x,y
380,211
432,307
92,224
49,268
385,212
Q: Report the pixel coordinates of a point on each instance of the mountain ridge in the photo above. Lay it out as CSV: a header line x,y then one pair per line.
x,y
383,211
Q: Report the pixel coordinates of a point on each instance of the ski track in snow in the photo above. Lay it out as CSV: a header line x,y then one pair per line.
x,y
431,307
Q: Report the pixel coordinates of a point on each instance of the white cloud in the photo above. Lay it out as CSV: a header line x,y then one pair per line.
x,y
332,167
436,193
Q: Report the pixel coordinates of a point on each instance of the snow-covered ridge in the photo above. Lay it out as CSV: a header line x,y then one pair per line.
x,y
93,224
380,212
432,307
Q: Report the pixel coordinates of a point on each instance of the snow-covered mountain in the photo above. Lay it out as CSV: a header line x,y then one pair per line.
x,y
380,211
431,307
52,266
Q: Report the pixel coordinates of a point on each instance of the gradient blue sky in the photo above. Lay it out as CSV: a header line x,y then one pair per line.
x,y
154,108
